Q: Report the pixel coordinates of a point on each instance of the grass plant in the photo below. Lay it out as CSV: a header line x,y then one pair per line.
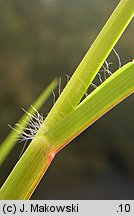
x,y
70,115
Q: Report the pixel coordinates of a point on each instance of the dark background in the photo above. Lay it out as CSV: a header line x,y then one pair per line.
x,y
44,39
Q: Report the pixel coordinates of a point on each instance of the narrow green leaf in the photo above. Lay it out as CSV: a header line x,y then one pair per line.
x,y
10,140
93,60
117,87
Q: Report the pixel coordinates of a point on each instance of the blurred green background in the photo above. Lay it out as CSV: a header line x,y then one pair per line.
x,y
44,39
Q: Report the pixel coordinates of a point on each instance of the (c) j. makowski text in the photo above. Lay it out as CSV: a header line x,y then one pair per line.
x,y
51,208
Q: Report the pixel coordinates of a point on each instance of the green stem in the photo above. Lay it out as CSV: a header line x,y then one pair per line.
x,y
33,164
27,173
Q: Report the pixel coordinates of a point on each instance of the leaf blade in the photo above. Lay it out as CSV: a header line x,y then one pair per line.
x,y
93,60
116,88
